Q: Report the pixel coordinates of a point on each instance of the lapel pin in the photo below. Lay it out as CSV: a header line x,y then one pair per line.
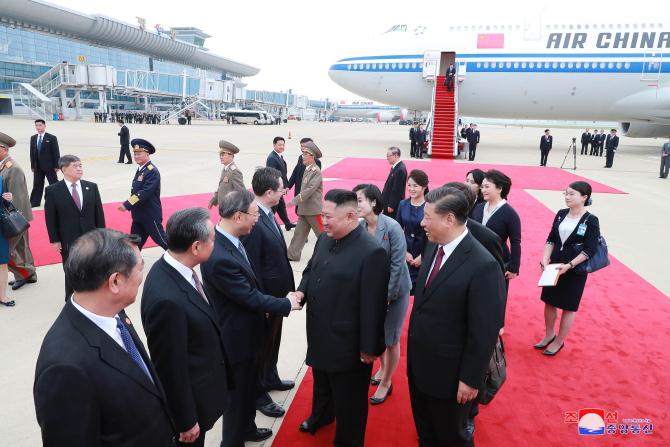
x,y
128,322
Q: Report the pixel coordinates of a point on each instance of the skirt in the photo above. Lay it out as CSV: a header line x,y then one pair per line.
x,y
395,319
567,293
4,248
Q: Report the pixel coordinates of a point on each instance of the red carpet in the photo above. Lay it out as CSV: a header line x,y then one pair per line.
x,y
616,357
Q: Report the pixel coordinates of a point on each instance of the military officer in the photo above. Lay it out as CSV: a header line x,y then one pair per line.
x,y
309,201
144,202
231,177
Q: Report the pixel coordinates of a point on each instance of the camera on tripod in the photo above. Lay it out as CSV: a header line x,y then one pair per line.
x,y
572,148
574,140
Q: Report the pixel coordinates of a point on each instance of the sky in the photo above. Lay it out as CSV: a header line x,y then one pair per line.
x,y
294,42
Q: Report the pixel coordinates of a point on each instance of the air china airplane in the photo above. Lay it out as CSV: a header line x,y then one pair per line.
x,y
369,109
565,71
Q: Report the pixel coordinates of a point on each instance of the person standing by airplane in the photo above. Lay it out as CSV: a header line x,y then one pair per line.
x,y
601,143
545,146
586,139
595,138
449,79
665,159
421,137
473,141
412,138
611,143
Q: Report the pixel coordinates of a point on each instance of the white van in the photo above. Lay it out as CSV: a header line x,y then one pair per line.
x,y
246,116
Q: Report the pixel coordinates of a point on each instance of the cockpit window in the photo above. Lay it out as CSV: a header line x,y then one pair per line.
x,y
397,28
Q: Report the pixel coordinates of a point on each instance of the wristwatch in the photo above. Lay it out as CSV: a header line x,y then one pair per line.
x,y
571,265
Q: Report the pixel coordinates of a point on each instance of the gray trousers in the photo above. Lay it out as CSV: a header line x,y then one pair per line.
x,y
21,262
301,231
665,166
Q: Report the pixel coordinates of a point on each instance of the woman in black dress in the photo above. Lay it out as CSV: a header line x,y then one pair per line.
x,y
474,179
572,240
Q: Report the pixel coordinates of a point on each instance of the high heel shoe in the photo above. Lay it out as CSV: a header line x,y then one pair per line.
x,y
550,353
380,400
544,345
9,303
375,381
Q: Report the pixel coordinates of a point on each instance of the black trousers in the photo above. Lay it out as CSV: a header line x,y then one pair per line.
x,y
268,376
544,156
343,395
239,416
450,83
153,228
38,185
413,149
585,148
594,148
124,152
472,151
440,422
280,209
68,288
609,160
601,147
665,166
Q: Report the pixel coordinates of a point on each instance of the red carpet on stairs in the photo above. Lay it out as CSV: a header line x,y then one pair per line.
x,y
444,121
616,357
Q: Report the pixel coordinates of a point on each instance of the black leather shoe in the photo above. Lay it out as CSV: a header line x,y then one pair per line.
x,y
308,426
553,353
31,280
129,162
261,434
544,345
380,400
20,283
9,303
290,226
272,410
282,385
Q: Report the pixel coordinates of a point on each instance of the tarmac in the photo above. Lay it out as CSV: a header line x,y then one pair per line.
x,y
635,223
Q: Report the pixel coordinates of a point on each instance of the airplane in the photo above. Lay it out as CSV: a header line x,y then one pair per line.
x,y
369,109
530,69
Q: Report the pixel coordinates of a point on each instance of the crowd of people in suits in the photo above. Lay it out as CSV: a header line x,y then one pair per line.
x,y
131,116
471,135
213,343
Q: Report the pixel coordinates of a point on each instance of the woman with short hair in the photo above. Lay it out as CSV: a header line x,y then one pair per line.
x,y
474,179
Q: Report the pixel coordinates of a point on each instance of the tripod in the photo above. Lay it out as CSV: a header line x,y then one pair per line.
x,y
573,148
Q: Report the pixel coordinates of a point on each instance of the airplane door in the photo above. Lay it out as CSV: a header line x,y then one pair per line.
x,y
431,63
651,67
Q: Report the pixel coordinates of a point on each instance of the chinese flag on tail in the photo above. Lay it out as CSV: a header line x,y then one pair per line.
x,y
495,40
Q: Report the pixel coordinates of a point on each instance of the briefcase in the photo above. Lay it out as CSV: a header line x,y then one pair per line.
x,y
13,222
495,374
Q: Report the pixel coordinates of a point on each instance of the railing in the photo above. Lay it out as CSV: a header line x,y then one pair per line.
x,y
33,104
190,103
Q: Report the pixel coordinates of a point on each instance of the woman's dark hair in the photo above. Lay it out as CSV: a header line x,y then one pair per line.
x,y
584,189
373,194
500,180
420,177
477,175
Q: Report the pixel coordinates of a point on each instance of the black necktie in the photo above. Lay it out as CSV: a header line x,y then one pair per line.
x,y
39,143
273,222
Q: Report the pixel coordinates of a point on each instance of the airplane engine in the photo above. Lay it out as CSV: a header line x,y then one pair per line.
x,y
383,117
645,130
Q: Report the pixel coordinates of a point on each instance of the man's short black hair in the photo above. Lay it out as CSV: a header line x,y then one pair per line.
x,y
341,197
373,194
40,120
546,130
466,190
265,179
449,200
186,227
277,139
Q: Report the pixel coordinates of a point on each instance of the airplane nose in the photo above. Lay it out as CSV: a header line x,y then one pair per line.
x,y
336,72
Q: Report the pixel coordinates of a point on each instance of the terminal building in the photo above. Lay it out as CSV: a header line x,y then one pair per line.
x,y
58,63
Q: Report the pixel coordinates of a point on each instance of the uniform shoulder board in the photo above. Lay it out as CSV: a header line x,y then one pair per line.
x,y
150,167
233,167
9,164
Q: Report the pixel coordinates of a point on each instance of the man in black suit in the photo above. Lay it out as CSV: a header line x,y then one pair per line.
x,y
545,146
94,382
412,140
586,139
454,323
71,208
396,182
276,160
267,252
182,328
421,137
124,140
601,142
235,291
473,141
345,318
449,78
611,145
44,155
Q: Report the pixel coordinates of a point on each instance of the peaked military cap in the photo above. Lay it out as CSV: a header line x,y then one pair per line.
x,y
143,144
312,149
6,140
227,146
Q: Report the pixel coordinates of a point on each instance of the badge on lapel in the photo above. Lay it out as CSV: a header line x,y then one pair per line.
x,y
140,178
386,237
128,323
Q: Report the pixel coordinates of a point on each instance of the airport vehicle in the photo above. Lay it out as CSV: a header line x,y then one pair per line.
x,y
369,109
530,69
246,116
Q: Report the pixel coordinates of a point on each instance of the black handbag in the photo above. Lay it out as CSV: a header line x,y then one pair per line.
x,y
596,262
13,222
496,374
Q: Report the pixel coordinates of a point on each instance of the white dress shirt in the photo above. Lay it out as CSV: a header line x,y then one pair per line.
x,y
79,190
107,324
448,249
183,270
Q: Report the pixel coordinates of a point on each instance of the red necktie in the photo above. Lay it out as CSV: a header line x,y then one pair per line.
x,y
436,266
75,196
198,286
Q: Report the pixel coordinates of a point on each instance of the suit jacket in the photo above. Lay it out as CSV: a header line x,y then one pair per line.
x,y
454,323
89,392
602,137
394,188
612,142
507,225
47,158
412,134
421,136
575,243
276,161
144,202
65,222
473,137
185,343
231,180
346,287
546,143
14,181
586,137
234,290
297,174
124,136
310,199
267,252
451,72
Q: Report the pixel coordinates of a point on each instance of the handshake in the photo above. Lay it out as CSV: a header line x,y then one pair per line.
x,y
297,300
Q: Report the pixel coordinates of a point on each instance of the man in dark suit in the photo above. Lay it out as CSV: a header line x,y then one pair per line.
x,y
276,160
182,328
454,323
94,382
71,208
144,202
545,146
44,155
586,139
449,78
124,140
396,182
345,319
421,137
235,292
299,170
473,141
601,142
412,140
267,252
611,145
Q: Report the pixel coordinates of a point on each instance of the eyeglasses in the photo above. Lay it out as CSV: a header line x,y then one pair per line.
x,y
256,215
